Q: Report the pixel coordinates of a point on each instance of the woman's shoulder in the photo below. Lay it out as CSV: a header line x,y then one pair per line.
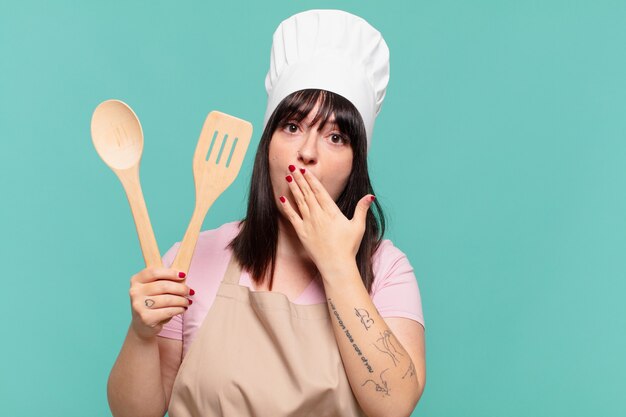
x,y
389,261
219,237
387,252
395,291
210,241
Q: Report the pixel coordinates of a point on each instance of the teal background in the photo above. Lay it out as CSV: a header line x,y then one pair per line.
x,y
499,156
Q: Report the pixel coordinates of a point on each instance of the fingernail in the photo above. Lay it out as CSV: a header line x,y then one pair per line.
x,y
190,301
302,170
282,199
191,291
181,275
289,178
292,168
372,198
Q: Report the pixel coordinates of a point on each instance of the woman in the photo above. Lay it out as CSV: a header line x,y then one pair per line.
x,y
301,309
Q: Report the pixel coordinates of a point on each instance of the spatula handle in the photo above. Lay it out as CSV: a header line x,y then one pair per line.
x,y
130,180
188,245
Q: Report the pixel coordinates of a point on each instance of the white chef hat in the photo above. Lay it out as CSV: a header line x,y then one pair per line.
x,y
329,50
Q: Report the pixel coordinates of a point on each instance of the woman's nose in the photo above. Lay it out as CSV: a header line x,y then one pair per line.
x,y
307,154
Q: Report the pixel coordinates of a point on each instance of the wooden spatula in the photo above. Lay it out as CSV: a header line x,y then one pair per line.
x,y
225,140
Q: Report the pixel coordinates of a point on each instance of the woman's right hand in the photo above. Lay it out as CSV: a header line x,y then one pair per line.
x,y
156,295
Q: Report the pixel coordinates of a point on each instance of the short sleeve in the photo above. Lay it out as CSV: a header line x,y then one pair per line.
x,y
395,291
173,329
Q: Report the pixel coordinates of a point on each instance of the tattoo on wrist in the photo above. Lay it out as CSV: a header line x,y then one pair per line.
x,y
382,387
365,317
410,372
358,351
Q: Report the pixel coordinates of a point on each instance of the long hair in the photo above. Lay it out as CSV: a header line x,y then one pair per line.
x,y
255,245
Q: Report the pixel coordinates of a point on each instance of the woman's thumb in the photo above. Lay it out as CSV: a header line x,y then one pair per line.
x,y
360,213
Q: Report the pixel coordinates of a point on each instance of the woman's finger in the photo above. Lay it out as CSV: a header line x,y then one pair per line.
x,y
322,197
291,214
153,274
166,287
298,197
156,302
305,188
361,209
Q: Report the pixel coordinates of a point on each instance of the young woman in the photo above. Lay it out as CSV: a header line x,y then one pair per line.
x,y
301,308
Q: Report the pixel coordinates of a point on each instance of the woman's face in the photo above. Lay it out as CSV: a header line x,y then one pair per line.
x,y
326,153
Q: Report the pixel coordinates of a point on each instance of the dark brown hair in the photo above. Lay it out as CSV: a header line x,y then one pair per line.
x,y
255,245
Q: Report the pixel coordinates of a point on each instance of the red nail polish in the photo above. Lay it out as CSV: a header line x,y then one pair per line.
x,y
191,291
302,170
190,302
181,275
372,198
289,178
282,199
292,168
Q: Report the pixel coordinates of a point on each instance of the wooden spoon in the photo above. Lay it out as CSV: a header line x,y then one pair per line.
x,y
118,139
229,137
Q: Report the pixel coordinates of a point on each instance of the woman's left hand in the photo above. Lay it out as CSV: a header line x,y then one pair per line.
x,y
328,236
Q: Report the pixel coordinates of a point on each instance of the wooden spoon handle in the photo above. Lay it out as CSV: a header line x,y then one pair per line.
x,y
130,181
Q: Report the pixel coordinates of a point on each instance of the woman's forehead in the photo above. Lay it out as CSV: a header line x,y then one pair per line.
x,y
314,118
320,116
314,109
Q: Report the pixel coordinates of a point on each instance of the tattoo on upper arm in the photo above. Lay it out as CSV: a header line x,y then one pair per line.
x,y
365,317
386,346
382,387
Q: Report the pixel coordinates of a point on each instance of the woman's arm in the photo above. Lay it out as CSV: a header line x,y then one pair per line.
x,y
387,378
142,377
135,387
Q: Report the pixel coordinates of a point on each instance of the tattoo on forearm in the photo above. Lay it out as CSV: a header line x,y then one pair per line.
x,y
382,387
386,346
410,372
365,317
349,336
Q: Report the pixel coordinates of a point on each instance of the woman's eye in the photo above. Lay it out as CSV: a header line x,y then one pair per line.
x,y
291,127
338,139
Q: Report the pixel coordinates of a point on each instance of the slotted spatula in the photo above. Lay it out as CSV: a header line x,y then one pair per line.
x,y
225,140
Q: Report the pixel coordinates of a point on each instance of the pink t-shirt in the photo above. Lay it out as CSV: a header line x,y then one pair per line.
x,y
395,292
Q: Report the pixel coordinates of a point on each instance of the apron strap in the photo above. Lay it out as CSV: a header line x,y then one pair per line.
x,y
233,272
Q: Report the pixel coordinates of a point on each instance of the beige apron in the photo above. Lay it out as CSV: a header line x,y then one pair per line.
x,y
259,355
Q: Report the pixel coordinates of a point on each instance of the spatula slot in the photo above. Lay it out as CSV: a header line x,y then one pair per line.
x,y
219,155
208,154
223,149
232,151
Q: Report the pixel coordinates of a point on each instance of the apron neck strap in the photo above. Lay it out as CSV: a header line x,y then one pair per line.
x,y
233,272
